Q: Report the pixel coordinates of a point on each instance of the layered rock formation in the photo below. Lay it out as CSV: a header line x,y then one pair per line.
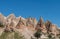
x,y
28,26
47,27
40,25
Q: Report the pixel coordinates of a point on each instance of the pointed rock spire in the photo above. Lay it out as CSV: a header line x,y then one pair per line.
x,y
20,22
48,23
41,21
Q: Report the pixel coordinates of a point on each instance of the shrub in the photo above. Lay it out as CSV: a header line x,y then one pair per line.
x,y
38,34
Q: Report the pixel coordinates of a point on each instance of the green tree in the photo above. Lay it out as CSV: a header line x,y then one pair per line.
x,y
38,34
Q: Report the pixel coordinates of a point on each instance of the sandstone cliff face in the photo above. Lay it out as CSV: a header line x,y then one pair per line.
x,y
54,29
28,26
41,26
47,27
2,19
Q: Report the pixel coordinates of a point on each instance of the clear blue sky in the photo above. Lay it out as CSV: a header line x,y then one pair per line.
x,y
48,9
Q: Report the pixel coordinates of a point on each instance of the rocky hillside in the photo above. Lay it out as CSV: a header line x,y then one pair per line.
x,y
11,26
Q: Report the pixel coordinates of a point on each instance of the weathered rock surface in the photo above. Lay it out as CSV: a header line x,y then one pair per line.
x,y
27,26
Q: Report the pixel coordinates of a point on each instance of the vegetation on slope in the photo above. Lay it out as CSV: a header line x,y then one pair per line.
x,y
11,35
17,36
38,34
4,35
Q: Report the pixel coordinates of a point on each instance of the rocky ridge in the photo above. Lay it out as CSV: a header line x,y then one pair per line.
x,y
27,26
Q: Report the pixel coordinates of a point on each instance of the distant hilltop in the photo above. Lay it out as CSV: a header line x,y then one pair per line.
x,y
27,26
